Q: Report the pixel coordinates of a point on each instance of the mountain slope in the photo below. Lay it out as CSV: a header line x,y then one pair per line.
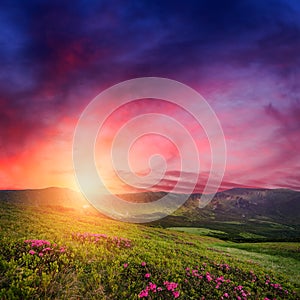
x,y
238,214
246,204
235,213
59,198
236,205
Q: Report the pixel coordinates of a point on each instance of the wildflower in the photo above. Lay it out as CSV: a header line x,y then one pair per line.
x,y
46,249
152,286
176,294
147,275
143,264
208,277
143,293
171,286
125,265
226,295
32,252
220,279
41,254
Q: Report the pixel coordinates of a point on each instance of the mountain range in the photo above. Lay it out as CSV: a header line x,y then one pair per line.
x,y
269,213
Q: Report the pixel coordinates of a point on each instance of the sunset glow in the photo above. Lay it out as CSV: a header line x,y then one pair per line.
x,y
242,57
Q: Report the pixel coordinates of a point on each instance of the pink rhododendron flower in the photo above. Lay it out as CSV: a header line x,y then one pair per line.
x,y
46,249
147,275
208,277
143,293
152,286
32,252
171,286
125,266
143,264
176,294
221,278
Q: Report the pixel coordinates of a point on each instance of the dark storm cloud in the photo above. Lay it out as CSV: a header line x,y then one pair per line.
x,y
56,54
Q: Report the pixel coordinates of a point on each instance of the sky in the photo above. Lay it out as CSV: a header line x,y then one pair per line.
x,y
242,56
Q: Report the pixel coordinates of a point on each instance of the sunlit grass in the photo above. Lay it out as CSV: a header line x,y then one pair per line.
x,y
275,263
107,269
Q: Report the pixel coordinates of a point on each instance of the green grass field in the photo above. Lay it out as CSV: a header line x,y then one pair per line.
x,y
50,254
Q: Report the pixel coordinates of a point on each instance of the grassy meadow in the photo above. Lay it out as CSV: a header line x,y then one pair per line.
x,y
51,254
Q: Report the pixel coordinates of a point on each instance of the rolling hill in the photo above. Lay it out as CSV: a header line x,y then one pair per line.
x,y
235,214
53,245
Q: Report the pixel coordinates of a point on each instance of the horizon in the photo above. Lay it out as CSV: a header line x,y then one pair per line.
x,y
141,192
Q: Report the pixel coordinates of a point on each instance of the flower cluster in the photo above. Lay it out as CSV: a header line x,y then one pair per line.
x,y
218,280
152,288
157,287
219,285
100,238
43,247
43,257
172,286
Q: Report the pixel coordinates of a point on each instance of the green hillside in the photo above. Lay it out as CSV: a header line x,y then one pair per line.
x,y
243,215
48,252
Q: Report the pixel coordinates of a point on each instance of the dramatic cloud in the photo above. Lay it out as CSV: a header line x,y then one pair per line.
x,y
242,56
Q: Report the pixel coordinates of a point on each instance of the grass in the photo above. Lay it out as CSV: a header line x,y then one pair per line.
x,y
82,265
198,230
281,257
271,256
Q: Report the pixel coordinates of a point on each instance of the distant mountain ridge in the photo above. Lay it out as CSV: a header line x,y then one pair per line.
x,y
239,214
47,197
243,203
237,204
